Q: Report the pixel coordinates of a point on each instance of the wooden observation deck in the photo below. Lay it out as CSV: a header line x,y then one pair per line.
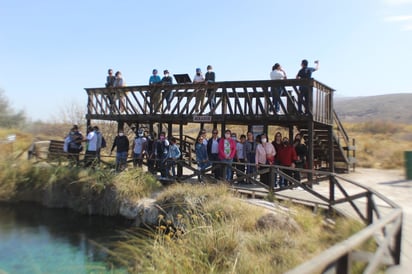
x,y
245,103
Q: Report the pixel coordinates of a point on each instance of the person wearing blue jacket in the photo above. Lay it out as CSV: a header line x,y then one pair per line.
x,y
201,156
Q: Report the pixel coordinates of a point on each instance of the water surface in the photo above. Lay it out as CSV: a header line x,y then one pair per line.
x,y
34,239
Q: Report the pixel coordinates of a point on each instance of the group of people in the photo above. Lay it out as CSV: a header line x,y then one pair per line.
x,y
93,143
159,91
156,95
161,153
249,153
305,72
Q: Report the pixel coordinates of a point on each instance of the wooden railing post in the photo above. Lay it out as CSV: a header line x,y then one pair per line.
x,y
342,265
271,178
369,214
331,192
398,243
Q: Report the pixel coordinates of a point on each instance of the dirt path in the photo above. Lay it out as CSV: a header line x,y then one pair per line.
x,y
392,184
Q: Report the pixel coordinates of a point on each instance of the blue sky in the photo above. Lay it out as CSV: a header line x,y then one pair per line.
x,y
51,50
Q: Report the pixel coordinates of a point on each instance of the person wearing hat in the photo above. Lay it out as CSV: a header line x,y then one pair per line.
x,y
199,93
167,93
155,98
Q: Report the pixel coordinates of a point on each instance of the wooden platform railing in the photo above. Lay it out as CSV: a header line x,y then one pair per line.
x,y
241,99
382,217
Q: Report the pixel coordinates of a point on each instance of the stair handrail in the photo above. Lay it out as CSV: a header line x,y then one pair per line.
x,y
340,129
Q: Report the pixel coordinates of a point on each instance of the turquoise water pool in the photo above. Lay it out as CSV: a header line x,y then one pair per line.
x,y
34,239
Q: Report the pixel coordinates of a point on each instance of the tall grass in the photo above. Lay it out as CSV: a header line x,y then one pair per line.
x,y
211,231
380,144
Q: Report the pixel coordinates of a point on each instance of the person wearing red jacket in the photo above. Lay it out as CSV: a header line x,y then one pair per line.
x,y
227,151
286,157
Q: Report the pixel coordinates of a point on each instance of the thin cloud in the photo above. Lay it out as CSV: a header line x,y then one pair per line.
x,y
398,18
397,2
407,27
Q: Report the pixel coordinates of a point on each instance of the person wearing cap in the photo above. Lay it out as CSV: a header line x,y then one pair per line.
x,y
155,98
167,93
199,93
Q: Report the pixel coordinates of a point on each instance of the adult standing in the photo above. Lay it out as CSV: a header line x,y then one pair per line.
x,y
277,73
139,147
110,78
265,155
121,142
74,145
174,155
201,156
91,147
287,157
277,143
305,73
118,83
213,153
301,153
241,157
167,92
155,98
200,92
250,150
210,77
161,151
227,151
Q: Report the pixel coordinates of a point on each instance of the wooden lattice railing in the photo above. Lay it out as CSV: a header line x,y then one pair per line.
x,y
240,99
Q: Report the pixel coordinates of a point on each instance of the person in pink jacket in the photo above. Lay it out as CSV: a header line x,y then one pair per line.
x,y
227,151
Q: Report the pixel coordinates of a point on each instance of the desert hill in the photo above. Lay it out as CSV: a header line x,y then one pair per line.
x,y
389,107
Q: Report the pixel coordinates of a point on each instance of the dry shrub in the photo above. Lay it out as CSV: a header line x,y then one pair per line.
x,y
378,127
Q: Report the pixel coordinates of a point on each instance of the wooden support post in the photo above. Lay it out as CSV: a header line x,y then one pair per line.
x,y
120,125
309,103
271,179
369,208
151,129
331,150
331,193
170,130
398,243
180,167
291,135
342,265
310,151
222,129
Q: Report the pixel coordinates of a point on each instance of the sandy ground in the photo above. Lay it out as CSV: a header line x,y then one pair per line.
x,y
394,186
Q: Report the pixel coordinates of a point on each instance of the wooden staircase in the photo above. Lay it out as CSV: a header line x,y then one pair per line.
x,y
344,149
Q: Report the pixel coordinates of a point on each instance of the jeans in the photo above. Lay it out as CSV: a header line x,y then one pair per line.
x,y
137,159
228,168
303,99
121,160
276,92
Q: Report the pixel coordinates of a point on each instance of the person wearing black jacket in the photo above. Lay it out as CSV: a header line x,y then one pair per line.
x,y
213,153
122,143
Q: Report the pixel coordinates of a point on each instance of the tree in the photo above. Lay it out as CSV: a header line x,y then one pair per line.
x,y
8,117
